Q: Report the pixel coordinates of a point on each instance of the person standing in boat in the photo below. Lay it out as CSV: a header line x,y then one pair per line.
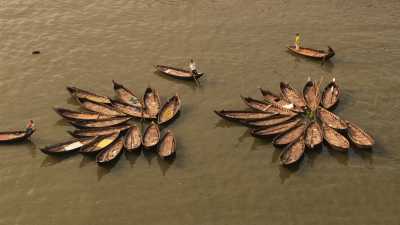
x,y
30,127
193,67
297,41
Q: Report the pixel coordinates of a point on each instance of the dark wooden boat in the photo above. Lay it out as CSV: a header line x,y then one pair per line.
x,y
274,99
111,152
169,110
68,146
266,107
313,53
293,152
177,73
100,143
240,116
314,136
290,136
133,138
311,95
133,111
167,146
100,108
276,129
331,119
292,95
101,123
151,136
359,137
86,95
125,95
330,95
75,115
335,139
101,131
274,120
15,136
152,102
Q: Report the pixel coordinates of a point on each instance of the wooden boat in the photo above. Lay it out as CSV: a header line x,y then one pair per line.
x,y
290,136
335,139
151,136
293,152
177,73
99,131
240,116
169,110
330,95
75,115
152,102
86,95
133,111
276,129
278,101
331,119
266,107
167,146
313,53
125,95
15,136
274,120
100,108
68,146
314,136
133,138
100,143
111,152
359,137
292,95
311,95
101,123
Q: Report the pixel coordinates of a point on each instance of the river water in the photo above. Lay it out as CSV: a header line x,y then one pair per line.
x,y
221,174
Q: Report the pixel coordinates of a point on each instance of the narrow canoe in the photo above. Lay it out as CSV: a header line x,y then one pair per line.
x,y
292,95
276,129
111,152
237,115
290,136
86,95
125,95
151,136
330,95
314,136
75,115
276,119
101,123
167,146
331,119
293,152
266,107
100,108
15,136
133,111
170,109
177,73
68,146
359,137
133,138
152,102
311,95
335,139
100,143
277,100
313,53
101,131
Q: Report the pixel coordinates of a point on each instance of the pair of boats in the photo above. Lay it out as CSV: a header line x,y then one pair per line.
x,y
15,136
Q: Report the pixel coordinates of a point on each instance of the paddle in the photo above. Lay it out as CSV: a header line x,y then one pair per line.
x,y
195,80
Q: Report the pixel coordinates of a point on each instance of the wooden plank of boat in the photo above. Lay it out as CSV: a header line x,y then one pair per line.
x,y
133,138
276,129
293,152
313,135
240,116
292,95
125,95
330,95
83,94
177,73
15,136
111,152
311,95
335,139
68,146
101,123
101,108
152,102
290,136
167,146
313,53
274,120
170,109
99,131
331,119
100,143
75,115
278,101
133,111
359,137
151,136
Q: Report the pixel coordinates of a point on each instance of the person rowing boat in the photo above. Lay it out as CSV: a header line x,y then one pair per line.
x,y
30,127
193,67
297,41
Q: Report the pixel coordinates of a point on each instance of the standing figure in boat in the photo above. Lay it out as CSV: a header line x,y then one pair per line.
x,y
193,67
297,41
30,127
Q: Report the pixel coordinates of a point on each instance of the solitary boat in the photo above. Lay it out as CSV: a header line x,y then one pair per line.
x,y
151,136
111,152
313,53
133,139
169,110
177,73
167,146
75,115
152,103
125,95
330,95
68,146
82,94
15,136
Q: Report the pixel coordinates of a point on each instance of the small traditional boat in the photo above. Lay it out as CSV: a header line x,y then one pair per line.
x,y
100,143
152,102
292,95
311,95
313,53
111,152
177,73
335,139
266,107
169,110
313,135
278,101
331,119
125,95
167,146
100,108
240,116
293,152
359,137
86,95
276,119
330,95
100,131
101,123
15,136
133,139
276,129
151,136
290,136
68,146
75,115
133,111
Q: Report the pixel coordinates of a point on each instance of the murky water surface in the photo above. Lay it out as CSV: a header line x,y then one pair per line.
x,y
221,174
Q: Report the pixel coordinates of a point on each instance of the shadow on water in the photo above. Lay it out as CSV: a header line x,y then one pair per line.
x,y
132,157
227,124
28,144
188,83
365,155
260,142
104,169
326,66
52,160
71,100
341,157
86,160
285,172
165,164
242,137
312,154
63,122
149,155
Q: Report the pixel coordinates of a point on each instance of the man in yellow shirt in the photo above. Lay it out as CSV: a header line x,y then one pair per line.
x,y
297,41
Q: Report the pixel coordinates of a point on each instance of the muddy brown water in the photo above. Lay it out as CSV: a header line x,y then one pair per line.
x,y
221,174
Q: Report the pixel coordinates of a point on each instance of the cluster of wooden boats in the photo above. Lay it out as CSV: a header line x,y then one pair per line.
x,y
299,121
105,128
